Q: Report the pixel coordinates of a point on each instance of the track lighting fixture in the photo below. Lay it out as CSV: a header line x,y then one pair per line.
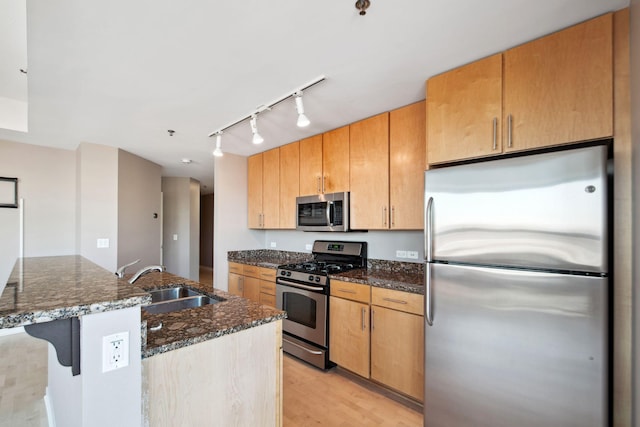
x,y
218,151
257,139
303,121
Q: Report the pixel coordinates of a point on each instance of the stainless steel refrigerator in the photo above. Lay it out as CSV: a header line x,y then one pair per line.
x,y
516,292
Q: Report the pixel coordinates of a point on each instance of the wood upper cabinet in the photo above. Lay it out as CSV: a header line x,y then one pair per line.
x,y
349,337
407,146
263,189
254,191
335,160
369,173
554,90
559,89
311,166
289,184
464,108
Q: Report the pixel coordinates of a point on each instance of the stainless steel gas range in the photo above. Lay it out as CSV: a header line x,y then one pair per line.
x,y
302,290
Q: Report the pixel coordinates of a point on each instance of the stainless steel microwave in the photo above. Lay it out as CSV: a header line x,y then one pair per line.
x,y
323,212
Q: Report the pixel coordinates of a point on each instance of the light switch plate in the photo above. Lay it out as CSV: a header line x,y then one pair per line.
x,y
102,243
175,237
273,244
401,254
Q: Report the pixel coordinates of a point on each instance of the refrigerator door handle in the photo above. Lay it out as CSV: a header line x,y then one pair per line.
x,y
428,302
428,236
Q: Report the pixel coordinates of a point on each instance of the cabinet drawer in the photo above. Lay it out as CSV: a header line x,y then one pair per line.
x,y
236,268
266,299
267,287
268,274
252,271
352,291
398,300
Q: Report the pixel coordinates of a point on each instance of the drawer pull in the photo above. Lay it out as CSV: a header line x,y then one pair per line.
x,y
397,301
347,291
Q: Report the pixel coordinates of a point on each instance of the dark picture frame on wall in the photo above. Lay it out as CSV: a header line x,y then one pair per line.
x,y
8,192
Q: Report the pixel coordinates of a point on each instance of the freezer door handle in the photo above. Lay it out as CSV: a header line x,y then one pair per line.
x,y
428,301
428,235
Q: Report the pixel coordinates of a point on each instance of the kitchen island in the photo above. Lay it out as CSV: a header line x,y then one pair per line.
x,y
185,369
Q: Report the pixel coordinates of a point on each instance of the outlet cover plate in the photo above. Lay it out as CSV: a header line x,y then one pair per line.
x,y
401,254
412,254
115,351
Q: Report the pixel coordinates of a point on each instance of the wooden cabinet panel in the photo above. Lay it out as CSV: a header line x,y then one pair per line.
x,y
267,274
254,191
352,291
464,108
235,267
235,284
559,89
268,299
289,184
335,160
311,166
398,300
251,288
397,350
271,189
267,287
369,171
251,271
407,146
349,337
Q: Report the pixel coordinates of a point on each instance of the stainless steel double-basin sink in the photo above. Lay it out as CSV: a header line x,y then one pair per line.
x,y
176,298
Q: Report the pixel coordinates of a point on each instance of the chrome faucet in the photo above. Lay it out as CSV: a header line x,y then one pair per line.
x,y
146,270
120,271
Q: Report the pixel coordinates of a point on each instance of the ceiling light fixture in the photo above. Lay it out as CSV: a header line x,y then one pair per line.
x,y
303,121
362,6
257,138
218,151
186,161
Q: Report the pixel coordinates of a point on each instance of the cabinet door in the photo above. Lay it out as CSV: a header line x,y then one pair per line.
x,y
349,335
271,189
251,288
559,89
311,166
235,284
464,109
407,146
335,160
397,350
369,170
254,191
289,184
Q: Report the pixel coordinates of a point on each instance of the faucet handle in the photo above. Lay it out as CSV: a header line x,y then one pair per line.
x,y
120,271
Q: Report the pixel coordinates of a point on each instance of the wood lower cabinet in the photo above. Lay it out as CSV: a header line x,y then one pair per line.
x,y
268,286
349,340
251,288
252,282
397,341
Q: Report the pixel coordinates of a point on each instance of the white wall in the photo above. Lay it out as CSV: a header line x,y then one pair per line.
x,y
635,138
230,215
46,181
97,197
139,232
181,210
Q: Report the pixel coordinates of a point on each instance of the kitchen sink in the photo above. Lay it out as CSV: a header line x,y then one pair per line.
x,y
161,295
179,304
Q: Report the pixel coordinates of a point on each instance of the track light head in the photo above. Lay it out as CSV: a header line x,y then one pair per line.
x,y
303,121
257,139
362,6
218,151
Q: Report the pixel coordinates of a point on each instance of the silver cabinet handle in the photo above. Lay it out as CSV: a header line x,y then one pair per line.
x,y
397,301
319,189
347,291
363,313
372,322
384,216
301,347
324,179
428,301
495,133
509,130
428,224
393,216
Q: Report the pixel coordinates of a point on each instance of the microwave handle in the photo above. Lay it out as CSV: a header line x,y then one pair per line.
x,y
328,213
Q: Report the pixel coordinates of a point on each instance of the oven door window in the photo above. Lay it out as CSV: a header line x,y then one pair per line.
x,y
300,309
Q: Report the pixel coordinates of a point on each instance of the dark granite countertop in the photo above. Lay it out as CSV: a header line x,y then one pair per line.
x,y
186,327
42,289
402,276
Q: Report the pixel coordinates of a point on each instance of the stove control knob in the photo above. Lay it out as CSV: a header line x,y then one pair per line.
x,y
317,278
288,274
283,273
311,278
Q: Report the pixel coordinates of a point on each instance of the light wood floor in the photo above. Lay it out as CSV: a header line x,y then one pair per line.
x,y
206,275
316,398
311,397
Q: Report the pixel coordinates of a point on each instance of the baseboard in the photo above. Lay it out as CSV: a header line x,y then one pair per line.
x,y
51,419
380,389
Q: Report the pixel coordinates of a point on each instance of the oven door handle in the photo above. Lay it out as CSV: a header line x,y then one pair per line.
x,y
319,353
298,285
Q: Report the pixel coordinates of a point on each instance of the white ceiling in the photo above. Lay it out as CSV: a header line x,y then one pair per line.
x,y
121,73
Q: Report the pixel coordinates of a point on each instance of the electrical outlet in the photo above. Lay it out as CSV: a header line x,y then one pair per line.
x,y
308,247
273,244
412,254
401,254
102,243
115,351
175,237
